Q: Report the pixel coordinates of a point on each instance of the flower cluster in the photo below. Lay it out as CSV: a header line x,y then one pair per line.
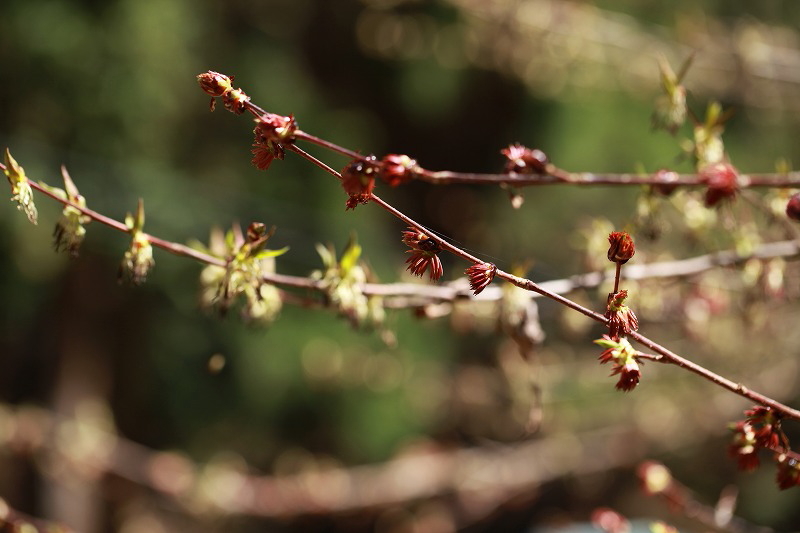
x,y
424,254
247,260
342,281
220,85
761,430
480,275
722,182
358,180
624,359
21,191
522,160
272,133
621,318
138,259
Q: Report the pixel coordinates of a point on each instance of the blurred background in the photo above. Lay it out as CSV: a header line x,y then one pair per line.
x,y
131,409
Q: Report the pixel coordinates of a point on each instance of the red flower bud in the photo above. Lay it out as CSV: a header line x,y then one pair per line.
x,y
722,180
793,207
424,254
397,169
214,83
621,247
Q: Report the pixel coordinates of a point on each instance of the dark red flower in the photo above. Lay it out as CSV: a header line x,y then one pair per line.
x,y
523,160
629,375
793,207
272,132
397,169
424,254
264,155
788,475
275,128
621,318
766,425
621,353
480,276
358,180
722,181
621,247
744,447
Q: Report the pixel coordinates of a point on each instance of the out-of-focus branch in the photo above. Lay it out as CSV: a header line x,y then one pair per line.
x,y
12,520
548,44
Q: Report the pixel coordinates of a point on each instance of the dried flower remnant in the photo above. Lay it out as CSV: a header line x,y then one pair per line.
x,y
138,259
722,181
358,181
398,169
621,318
621,247
21,190
480,275
424,254
623,356
522,160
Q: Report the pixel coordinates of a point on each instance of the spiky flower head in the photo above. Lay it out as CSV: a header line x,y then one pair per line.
x,y
424,254
480,275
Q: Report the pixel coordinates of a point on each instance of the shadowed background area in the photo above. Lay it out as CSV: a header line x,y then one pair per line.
x,y
130,409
